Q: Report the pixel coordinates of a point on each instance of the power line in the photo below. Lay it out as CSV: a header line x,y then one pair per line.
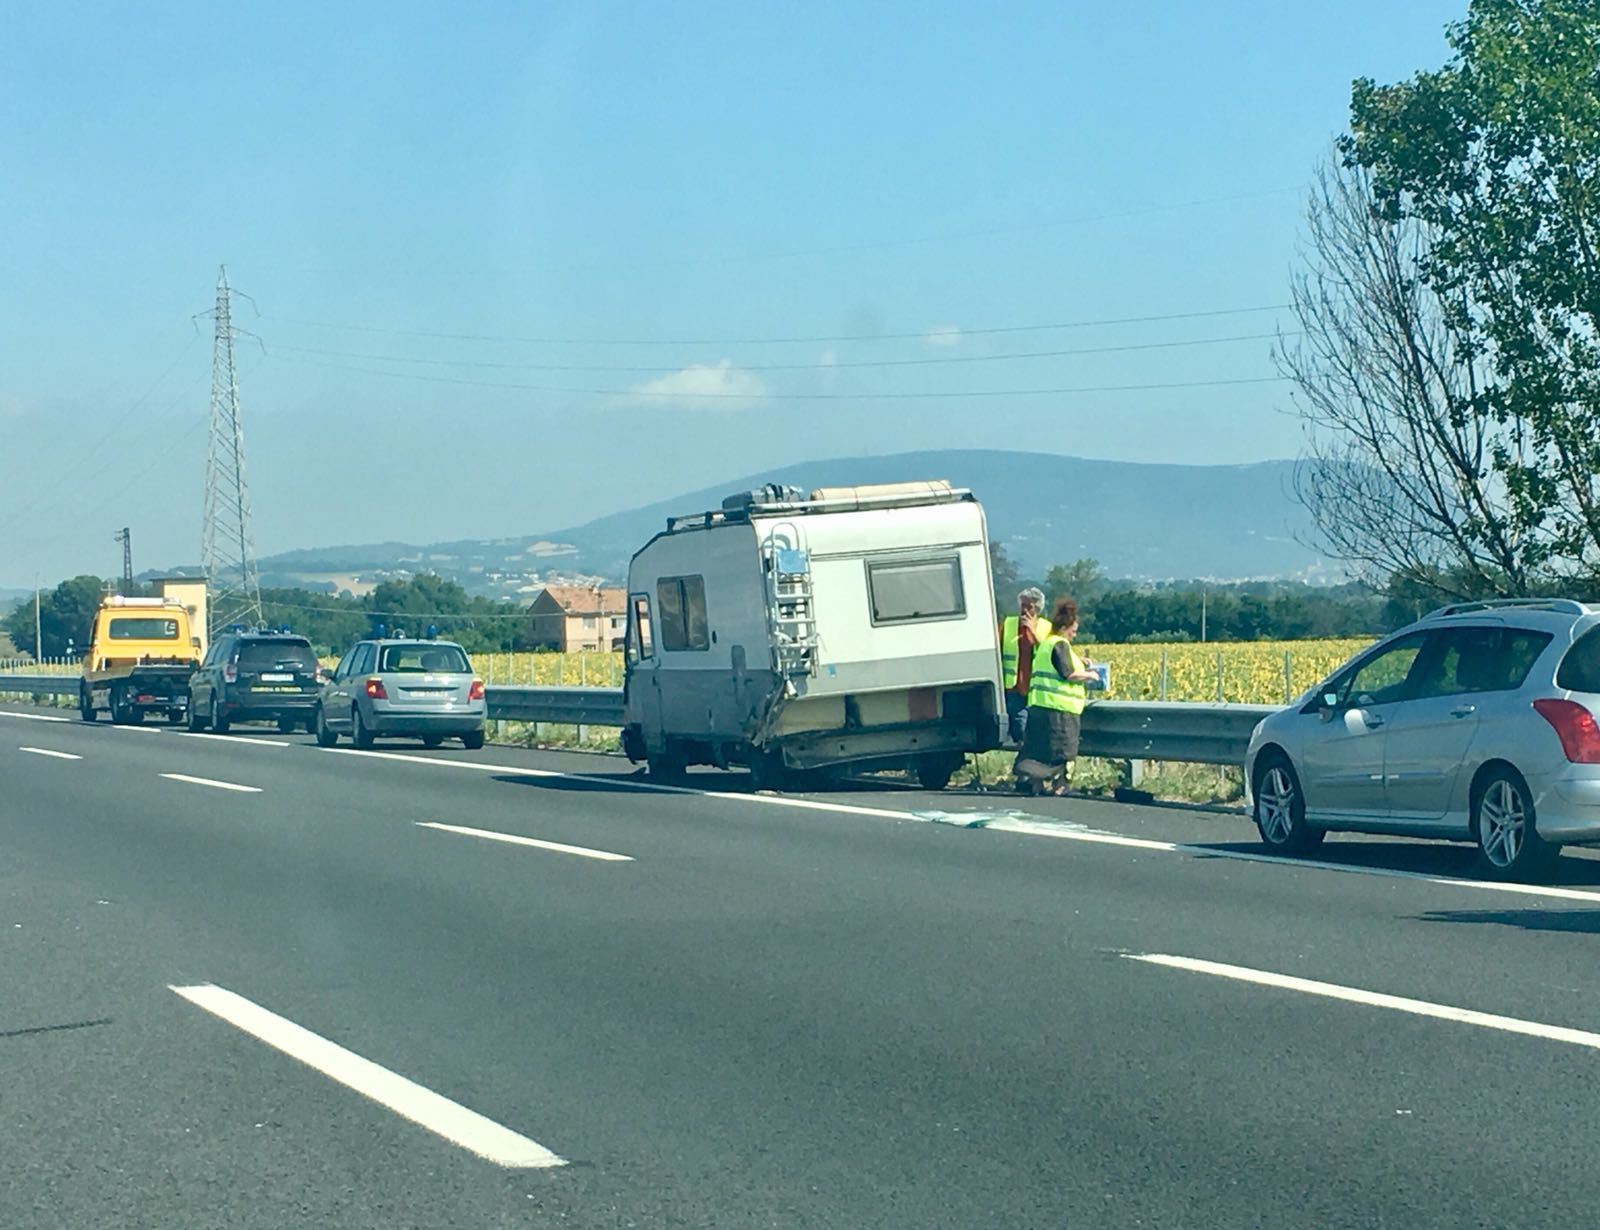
x,y
413,615
786,367
648,395
987,331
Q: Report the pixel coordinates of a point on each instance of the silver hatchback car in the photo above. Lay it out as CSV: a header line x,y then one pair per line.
x,y
1477,723
397,686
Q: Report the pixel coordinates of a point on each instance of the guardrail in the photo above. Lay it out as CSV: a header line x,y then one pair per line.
x,y
562,706
40,685
1112,729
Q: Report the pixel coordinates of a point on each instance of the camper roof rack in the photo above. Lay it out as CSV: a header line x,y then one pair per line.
x,y
1567,606
789,501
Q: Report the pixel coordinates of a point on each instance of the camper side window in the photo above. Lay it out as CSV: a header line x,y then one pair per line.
x,y
684,623
640,646
907,590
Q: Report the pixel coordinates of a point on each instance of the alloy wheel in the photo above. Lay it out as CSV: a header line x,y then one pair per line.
x,y
1502,823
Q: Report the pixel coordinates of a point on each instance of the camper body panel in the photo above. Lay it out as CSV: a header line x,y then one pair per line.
x,y
906,656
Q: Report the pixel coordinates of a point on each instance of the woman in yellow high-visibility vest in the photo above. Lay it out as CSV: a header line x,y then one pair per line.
x,y
1057,694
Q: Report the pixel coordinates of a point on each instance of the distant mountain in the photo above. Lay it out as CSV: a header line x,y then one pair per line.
x,y
1139,520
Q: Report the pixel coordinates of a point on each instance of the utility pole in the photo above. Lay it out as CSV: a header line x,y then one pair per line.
x,y
1203,616
227,545
38,624
126,539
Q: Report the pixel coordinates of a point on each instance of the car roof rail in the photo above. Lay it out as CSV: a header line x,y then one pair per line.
x,y
1568,606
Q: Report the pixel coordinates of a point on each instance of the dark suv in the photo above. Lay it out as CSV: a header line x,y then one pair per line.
x,y
256,676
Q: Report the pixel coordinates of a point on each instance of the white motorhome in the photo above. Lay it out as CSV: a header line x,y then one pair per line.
x,y
800,634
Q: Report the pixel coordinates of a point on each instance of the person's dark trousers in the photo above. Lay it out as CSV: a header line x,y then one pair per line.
x,y
1016,716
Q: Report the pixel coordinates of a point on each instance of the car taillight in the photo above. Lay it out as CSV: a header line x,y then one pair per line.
x,y
476,691
230,673
376,690
1580,735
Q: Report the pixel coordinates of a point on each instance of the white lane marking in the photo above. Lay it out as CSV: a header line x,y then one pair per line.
x,y
242,740
467,1128
1061,830
1373,999
33,717
1046,829
45,751
850,809
139,730
207,781
604,856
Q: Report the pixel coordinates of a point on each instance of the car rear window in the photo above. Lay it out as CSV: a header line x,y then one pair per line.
x,y
1580,669
145,628
424,658
294,654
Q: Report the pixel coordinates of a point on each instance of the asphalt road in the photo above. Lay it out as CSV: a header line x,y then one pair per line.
x,y
862,1009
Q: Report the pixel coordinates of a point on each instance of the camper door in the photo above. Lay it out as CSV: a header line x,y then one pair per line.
x,y
643,698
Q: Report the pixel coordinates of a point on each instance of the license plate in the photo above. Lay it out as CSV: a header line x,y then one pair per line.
x,y
277,678
294,690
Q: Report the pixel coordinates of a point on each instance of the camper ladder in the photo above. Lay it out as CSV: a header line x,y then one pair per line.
x,y
791,609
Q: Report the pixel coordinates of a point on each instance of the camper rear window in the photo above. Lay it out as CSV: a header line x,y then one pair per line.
x,y
907,590
682,605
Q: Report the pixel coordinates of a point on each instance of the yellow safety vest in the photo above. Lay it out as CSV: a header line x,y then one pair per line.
x,y
1047,689
1010,628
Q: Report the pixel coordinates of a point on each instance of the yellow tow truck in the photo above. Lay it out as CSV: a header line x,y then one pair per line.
x,y
141,654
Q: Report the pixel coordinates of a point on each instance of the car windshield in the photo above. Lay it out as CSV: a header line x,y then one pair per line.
x,y
295,655
424,658
145,628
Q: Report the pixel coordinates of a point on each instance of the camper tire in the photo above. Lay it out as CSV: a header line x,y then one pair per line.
x,y
935,770
666,768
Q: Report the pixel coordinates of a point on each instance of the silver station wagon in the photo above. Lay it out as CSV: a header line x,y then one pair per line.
x,y
1477,723
424,689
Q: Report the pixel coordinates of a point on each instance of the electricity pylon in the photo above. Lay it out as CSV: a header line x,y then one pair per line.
x,y
228,548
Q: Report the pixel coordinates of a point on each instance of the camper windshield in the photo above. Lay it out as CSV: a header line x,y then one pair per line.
x,y
907,590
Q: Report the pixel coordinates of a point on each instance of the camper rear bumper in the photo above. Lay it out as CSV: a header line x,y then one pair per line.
x,y
817,749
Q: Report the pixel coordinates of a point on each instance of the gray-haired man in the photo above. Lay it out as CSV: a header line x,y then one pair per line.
x,y
1019,635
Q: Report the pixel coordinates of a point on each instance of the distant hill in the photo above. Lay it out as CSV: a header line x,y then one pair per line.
x,y
1139,520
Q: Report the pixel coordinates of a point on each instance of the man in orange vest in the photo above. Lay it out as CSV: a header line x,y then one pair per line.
x,y
1020,635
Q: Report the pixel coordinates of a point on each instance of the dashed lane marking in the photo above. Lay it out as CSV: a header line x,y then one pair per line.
x,y
1372,999
441,1116
208,781
604,856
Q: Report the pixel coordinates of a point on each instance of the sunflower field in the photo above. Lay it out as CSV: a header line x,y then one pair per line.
x,y
1247,672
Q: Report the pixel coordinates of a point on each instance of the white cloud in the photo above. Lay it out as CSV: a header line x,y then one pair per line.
x,y
943,335
719,386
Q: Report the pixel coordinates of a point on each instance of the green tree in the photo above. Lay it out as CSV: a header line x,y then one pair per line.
x,y
1081,579
66,615
1497,156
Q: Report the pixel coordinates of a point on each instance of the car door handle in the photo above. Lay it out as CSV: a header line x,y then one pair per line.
x,y
1371,720
1464,711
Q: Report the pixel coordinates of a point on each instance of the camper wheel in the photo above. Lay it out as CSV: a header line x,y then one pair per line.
x,y
935,770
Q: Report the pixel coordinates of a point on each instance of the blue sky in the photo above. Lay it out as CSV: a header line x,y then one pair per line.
x,y
700,176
